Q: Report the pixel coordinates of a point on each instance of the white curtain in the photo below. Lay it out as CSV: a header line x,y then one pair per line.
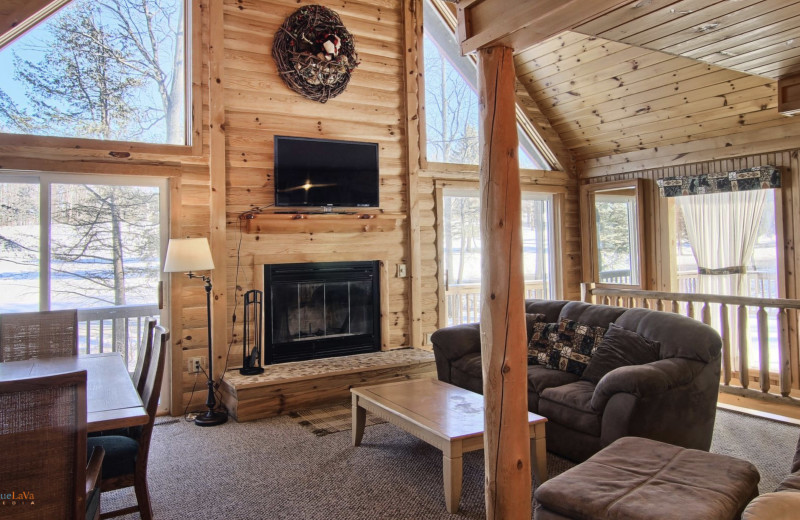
x,y
722,229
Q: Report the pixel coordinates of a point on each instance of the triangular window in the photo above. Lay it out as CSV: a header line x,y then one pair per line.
x,y
110,70
451,101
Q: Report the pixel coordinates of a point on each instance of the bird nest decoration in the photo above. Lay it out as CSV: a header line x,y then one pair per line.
x,y
315,53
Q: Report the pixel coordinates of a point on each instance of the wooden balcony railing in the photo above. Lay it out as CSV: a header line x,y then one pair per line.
x,y
464,300
113,329
730,316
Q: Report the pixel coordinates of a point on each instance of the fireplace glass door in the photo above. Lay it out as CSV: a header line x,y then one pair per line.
x,y
321,310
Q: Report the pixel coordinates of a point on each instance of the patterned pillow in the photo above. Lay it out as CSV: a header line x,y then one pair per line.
x,y
567,345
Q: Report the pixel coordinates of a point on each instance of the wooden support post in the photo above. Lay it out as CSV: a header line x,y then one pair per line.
x,y
216,167
506,439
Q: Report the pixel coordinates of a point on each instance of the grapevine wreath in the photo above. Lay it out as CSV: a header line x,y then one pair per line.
x,y
315,53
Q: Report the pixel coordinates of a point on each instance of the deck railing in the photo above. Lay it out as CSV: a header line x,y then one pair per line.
x,y
760,284
113,329
464,300
730,315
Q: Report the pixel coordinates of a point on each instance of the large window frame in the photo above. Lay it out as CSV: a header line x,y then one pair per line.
x,y
192,109
589,239
523,122
555,233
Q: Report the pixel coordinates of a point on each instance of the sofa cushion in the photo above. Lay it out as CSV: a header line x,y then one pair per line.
x,y
541,377
591,314
530,320
567,347
620,348
550,308
466,372
680,337
571,405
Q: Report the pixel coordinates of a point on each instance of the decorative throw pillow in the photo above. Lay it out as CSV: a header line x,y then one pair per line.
x,y
619,348
530,321
567,345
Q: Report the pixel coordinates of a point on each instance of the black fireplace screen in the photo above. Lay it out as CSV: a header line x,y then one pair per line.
x,y
321,309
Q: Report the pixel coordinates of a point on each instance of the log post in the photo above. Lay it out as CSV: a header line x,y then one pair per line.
x,y
503,336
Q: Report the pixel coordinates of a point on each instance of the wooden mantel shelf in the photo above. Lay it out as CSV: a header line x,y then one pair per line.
x,y
322,222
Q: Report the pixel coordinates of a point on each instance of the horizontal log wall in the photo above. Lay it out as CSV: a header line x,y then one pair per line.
x,y
259,106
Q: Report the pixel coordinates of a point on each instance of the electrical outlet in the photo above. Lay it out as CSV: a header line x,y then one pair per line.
x,y
427,338
195,365
401,270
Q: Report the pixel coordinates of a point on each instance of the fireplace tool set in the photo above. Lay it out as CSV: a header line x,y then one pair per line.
x,y
253,333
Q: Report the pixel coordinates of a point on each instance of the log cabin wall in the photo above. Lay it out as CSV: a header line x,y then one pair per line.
x,y
259,106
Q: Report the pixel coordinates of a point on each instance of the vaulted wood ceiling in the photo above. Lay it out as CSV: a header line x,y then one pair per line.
x,y
663,72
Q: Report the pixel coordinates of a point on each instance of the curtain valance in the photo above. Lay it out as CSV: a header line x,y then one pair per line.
x,y
755,178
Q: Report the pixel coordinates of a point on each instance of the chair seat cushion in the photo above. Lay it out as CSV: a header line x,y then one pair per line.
x,y
120,458
780,505
642,479
571,405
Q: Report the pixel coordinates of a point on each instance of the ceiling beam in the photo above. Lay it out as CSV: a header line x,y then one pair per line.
x,y
520,24
17,16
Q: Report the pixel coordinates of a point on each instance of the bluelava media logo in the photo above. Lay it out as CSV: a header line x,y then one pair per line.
x,y
16,498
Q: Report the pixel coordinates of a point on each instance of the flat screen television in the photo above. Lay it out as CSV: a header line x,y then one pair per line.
x,y
324,172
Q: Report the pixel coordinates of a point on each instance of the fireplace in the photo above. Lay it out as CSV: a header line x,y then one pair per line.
x,y
321,309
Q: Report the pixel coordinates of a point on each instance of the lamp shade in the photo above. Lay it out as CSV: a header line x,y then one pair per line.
x,y
188,254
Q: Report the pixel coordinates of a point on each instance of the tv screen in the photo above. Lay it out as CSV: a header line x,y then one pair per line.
x,y
323,172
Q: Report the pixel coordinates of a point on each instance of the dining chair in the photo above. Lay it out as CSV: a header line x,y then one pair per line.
x,y
125,463
43,448
45,334
143,354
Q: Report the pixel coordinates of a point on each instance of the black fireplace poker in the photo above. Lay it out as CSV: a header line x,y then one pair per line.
x,y
252,333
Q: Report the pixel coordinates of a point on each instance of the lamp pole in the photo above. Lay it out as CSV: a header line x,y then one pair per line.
x,y
210,417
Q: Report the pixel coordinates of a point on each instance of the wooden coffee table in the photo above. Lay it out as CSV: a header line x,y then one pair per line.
x,y
445,416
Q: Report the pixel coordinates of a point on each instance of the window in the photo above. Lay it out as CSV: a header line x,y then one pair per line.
x,y
461,249
89,243
612,247
106,70
451,101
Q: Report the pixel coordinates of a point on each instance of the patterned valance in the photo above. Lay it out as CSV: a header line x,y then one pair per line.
x,y
756,178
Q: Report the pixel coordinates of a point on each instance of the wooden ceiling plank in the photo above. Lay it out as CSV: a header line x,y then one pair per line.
x,y
520,25
692,24
769,55
564,58
780,69
654,19
696,81
19,16
720,127
754,49
725,89
731,37
603,49
553,45
610,73
771,139
700,111
644,88
624,14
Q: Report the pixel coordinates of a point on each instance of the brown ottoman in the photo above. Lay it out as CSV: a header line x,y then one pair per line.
x,y
642,479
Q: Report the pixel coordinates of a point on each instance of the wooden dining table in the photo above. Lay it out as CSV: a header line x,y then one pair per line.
x,y
112,400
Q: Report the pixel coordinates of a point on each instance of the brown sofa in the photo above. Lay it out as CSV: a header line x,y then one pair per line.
x,y
671,400
781,504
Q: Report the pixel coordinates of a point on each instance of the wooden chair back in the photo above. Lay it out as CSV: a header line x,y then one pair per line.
x,y
152,388
46,334
143,355
43,445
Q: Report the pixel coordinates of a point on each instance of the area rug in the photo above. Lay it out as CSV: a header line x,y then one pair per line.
x,y
274,468
334,418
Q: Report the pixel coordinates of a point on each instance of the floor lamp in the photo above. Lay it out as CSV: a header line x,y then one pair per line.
x,y
185,255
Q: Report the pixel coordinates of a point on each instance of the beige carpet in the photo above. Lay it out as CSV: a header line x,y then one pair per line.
x,y
277,469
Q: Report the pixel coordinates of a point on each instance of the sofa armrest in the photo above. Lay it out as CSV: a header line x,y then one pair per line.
x,y
457,341
645,380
